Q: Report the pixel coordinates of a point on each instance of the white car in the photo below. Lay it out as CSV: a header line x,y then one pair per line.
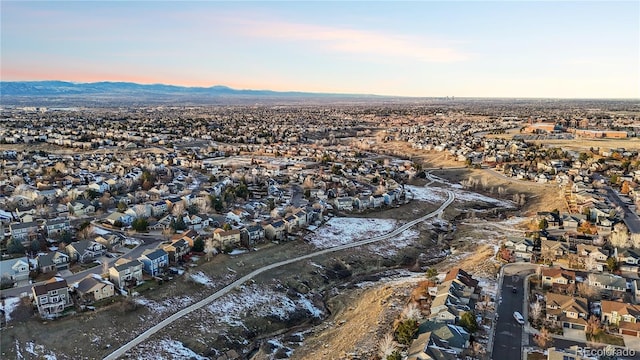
x,y
518,317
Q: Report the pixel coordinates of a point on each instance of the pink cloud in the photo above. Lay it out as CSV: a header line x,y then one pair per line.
x,y
352,41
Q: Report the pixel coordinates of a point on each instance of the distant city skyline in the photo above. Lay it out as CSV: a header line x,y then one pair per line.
x,y
542,49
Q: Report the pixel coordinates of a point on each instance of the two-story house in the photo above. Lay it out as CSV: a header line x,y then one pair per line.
x,y
613,285
557,278
625,316
80,207
52,297
94,288
57,226
126,273
177,249
567,311
24,232
154,261
15,271
85,250
275,230
226,239
109,241
252,234
53,261
593,257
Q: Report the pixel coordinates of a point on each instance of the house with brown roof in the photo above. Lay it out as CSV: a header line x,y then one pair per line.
x,y
52,297
557,278
625,316
567,311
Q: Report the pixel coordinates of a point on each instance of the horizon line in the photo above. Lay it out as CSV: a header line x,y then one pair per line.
x,y
318,92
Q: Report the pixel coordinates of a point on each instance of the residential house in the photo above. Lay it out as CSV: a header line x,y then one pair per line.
x,y
344,203
555,249
252,234
154,261
100,187
125,219
557,278
15,270
126,272
567,311
456,337
593,257
628,259
57,226
226,239
189,236
362,202
428,346
109,241
53,261
302,217
522,248
52,297
610,284
163,223
625,316
635,291
275,230
290,223
159,208
376,200
80,208
85,250
177,249
24,232
94,288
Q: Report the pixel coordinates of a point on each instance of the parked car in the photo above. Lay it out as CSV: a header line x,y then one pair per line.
x,y
518,317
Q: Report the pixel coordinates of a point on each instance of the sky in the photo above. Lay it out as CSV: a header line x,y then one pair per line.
x,y
545,49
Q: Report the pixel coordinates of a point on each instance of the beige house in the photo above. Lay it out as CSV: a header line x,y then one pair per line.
x,y
94,288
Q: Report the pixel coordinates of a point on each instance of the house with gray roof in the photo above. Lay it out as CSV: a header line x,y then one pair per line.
x,y
15,270
54,261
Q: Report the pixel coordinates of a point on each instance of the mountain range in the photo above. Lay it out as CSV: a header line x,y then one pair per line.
x,y
105,88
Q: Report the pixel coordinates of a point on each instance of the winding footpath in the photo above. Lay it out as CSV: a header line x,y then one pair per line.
x,y
164,323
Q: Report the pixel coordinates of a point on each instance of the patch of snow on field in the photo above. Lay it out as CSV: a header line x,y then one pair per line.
x,y
390,247
425,193
472,196
167,305
37,350
9,305
201,278
257,301
238,251
340,231
170,349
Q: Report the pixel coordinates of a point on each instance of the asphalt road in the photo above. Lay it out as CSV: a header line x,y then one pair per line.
x,y
154,329
508,337
631,219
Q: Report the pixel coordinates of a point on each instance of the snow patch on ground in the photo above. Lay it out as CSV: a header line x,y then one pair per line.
x,y
9,305
254,300
202,279
169,349
165,306
238,251
131,241
468,196
38,351
425,193
340,231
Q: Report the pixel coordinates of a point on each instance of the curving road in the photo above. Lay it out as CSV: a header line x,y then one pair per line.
x,y
154,329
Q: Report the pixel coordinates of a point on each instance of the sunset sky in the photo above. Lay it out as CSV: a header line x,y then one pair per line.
x,y
420,48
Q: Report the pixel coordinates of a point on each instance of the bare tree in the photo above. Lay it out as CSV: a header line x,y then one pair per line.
x,y
178,209
620,236
536,311
209,248
386,346
412,312
587,291
543,339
